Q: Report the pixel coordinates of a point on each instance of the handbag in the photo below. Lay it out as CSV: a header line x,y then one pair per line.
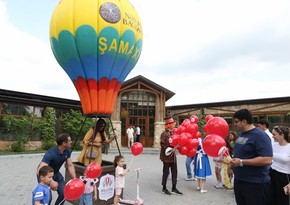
x,y
92,154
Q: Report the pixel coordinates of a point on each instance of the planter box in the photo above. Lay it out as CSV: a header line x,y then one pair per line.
x,y
107,168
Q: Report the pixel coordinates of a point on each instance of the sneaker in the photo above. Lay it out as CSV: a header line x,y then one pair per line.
x,y
218,186
198,188
203,191
175,191
165,191
194,179
189,179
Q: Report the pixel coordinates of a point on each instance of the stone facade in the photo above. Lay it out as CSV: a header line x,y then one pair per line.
x,y
31,145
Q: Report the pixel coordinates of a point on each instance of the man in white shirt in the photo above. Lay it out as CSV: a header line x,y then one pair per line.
x,y
264,125
130,135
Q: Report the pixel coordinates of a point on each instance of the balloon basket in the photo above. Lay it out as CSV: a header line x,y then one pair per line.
x,y
108,169
138,200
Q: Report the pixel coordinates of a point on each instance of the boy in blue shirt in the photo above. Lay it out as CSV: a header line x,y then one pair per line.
x,y
41,194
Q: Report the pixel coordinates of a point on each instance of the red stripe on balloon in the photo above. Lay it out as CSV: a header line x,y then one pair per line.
x,y
103,85
82,89
110,92
97,97
114,96
93,86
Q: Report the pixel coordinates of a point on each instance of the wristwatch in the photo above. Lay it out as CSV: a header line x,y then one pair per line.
x,y
241,163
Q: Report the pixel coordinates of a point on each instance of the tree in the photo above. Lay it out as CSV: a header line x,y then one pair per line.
x,y
48,128
22,127
201,121
72,122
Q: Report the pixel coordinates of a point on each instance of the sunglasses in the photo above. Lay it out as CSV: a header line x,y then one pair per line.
x,y
277,128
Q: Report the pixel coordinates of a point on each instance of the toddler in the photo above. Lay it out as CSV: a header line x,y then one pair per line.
x,y
41,194
120,173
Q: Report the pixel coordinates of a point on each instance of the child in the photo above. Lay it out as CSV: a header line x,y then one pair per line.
x,y
218,162
227,181
120,173
201,167
41,194
227,158
90,188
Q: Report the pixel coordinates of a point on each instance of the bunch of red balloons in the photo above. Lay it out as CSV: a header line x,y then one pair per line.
x,y
185,136
217,129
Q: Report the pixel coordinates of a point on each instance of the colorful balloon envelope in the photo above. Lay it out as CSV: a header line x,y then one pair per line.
x,y
97,43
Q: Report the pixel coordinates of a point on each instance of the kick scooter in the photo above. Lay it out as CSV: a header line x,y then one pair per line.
x,y
138,200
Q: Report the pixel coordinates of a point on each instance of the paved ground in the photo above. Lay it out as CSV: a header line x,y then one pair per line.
x,y
18,179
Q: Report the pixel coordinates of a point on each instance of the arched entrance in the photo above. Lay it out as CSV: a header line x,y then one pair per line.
x,y
138,108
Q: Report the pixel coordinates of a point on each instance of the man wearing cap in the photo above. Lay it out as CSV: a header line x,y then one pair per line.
x,y
168,157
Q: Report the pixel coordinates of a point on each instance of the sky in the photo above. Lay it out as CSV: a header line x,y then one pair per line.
x,y
202,50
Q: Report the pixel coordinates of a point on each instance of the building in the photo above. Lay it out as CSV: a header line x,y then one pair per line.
x,y
141,102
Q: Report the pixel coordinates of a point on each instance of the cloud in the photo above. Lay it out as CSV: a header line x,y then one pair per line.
x,y
27,63
202,50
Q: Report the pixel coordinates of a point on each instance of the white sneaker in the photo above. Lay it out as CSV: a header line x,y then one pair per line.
x,y
203,191
189,179
218,186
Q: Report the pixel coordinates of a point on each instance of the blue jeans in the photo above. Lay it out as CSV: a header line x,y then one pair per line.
x,y
188,163
60,191
86,199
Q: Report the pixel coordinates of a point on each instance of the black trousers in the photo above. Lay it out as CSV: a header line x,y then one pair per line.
x,y
248,193
277,194
173,168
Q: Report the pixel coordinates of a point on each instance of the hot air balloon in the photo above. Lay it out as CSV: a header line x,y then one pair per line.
x,y
97,43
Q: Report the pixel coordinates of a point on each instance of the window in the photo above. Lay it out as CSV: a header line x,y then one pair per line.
x,y
274,119
137,103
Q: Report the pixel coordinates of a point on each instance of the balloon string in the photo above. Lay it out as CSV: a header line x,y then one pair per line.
x,y
61,201
131,162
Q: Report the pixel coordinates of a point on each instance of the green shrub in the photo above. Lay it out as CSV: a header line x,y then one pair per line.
x,y
77,125
22,128
48,128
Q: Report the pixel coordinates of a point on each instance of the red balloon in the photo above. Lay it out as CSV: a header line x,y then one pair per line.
x,y
208,117
183,150
212,144
93,170
137,148
218,126
191,153
205,128
74,189
225,151
193,119
185,123
180,129
192,143
192,128
173,140
198,135
174,130
183,139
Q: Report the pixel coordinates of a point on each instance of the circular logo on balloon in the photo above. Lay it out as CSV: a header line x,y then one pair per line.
x,y
110,12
